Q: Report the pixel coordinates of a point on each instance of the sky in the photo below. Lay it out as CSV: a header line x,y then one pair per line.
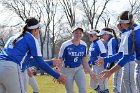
x,y
118,5
114,6
6,16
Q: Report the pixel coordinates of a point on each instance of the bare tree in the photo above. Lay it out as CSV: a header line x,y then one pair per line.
x,y
25,9
44,10
135,8
69,10
49,16
2,34
92,11
106,20
5,33
50,7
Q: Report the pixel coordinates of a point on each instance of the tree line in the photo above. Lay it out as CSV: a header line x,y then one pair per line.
x,y
58,17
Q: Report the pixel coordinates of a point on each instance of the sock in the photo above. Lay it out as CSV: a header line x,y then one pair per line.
x,y
105,91
98,89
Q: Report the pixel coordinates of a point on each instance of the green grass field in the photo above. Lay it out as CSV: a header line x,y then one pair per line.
x,y
47,85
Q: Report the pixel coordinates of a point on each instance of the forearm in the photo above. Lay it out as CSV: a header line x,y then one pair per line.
x,y
125,59
113,58
50,62
86,65
39,62
115,68
103,55
60,63
120,63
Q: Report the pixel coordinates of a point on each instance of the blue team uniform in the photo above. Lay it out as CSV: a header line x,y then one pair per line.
x,y
24,48
72,68
126,55
112,46
137,54
125,49
72,54
97,48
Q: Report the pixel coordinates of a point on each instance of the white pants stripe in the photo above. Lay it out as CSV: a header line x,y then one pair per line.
x,y
117,81
138,75
129,79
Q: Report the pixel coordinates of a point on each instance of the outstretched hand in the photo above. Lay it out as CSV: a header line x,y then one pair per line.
x,y
56,61
105,74
93,76
30,71
62,79
100,61
57,69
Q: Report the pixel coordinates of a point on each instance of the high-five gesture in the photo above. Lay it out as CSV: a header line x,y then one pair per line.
x,y
62,79
100,61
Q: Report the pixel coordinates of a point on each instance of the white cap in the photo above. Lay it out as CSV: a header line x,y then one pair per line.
x,y
92,32
77,27
104,32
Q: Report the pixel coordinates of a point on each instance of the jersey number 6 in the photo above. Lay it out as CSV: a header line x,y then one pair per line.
x,y
75,59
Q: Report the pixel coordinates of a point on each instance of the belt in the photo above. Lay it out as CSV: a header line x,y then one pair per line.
x,y
5,59
66,66
93,63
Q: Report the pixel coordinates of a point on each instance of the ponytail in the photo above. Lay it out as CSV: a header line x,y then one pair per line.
x,y
24,30
130,17
31,23
116,38
133,36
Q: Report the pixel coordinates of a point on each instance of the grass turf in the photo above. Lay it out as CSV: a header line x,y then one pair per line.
x,y
47,85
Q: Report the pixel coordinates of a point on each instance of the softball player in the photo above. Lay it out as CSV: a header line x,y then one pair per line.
x,y
27,73
30,79
73,52
125,53
112,43
15,51
97,48
34,84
